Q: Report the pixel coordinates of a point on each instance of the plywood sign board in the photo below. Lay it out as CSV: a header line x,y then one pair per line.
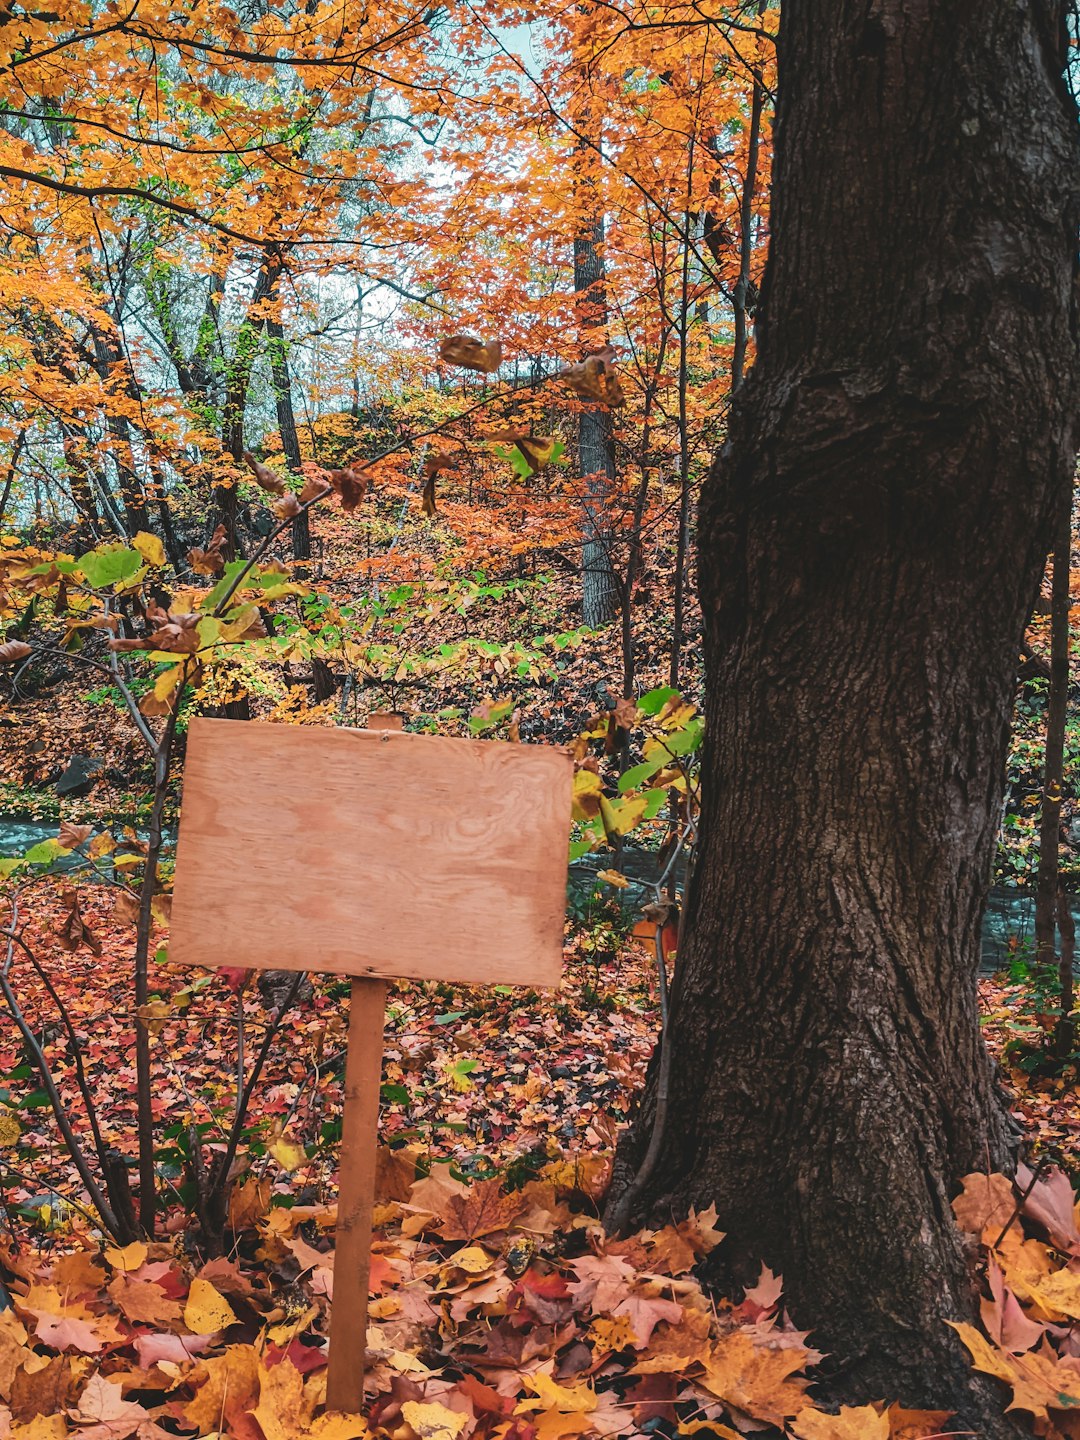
x,y
374,854
371,853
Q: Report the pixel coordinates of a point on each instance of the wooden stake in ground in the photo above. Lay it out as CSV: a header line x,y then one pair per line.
x,y
375,855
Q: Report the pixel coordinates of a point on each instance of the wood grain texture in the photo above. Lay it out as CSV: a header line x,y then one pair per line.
x,y
371,853
356,1197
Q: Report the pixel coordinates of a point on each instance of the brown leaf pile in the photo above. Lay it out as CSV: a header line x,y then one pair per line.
x,y
497,1314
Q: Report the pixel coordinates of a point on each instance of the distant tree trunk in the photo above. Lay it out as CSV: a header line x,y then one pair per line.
x,y
871,542
286,418
322,676
109,358
596,441
1057,704
743,297
237,384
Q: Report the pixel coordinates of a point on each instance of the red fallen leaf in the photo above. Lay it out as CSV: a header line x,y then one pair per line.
x,y
305,1358
507,1348
653,1397
545,1297
1050,1201
235,977
385,1409
485,1398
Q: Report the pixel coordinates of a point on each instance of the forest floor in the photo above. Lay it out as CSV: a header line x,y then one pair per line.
x,y
501,1308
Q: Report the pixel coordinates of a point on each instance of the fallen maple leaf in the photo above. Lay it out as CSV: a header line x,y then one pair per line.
x,y
434,1421
916,1424
860,1422
644,1313
207,1311
984,1205
106,1415
756,1378
1050,1201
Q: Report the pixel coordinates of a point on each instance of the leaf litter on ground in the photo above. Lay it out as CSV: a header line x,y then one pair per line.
x,y
500,1308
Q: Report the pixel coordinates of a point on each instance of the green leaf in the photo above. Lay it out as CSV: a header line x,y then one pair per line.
x,y
637,774
45,852
450,1017
654,803
655,700
232,569
394,1094
686,740
109,564
37,1100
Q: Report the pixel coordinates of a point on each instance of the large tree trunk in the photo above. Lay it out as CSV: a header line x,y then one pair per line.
x,y
871,542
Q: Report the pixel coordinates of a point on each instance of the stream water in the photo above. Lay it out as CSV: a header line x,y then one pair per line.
x,y
1008,926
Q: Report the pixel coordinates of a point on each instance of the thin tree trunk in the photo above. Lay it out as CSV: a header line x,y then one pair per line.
x,y
1057,702
237,385
596,440
872,538
741,299
286,418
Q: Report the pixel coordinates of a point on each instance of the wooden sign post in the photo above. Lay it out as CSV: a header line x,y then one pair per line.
x,y
374,854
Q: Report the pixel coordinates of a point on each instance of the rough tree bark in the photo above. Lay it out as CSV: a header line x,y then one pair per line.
x,y
871,541
596,439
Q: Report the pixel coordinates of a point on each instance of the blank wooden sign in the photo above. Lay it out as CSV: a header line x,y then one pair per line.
x,y
371,853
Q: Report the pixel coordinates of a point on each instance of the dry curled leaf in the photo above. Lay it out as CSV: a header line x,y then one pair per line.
x,y
287,507
210,561
351,485
265,478
12,651
595,378
472,354
314,486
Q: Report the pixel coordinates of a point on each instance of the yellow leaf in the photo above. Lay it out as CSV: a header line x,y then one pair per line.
x,y
154,1015
164,697
852,1423
613,877
620,816
587,792
10,1130
206,1310
1060,1293
434,1421
131,1257
150,548
576,1399
337,1427
42,1427
756,1378
983,1355
472,1260
289,1155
